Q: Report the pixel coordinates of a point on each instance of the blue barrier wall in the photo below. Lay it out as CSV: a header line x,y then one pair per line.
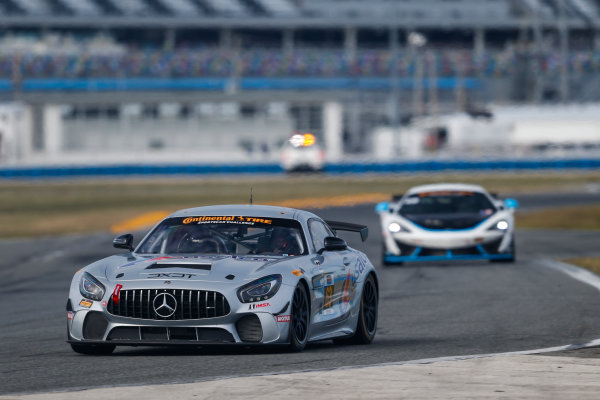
x,y
341,168
131,84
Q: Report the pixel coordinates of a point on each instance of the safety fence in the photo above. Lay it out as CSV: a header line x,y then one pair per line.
x,y
42,172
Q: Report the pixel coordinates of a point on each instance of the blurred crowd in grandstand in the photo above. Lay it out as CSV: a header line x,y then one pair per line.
x,y
101,58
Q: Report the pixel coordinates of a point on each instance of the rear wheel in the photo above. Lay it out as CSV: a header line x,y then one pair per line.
x,y
300,319
93,349
366,326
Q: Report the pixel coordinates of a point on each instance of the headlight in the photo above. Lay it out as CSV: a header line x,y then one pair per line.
x,y
395,227
90,287
260,289
501,225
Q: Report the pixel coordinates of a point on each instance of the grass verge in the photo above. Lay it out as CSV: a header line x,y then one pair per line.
x,y
591,263
41,208
572,217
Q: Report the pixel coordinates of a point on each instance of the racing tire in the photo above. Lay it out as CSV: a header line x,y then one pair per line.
x,y
366,327
300,319
386,263
93,349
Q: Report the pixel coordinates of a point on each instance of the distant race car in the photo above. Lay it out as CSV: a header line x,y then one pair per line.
x,y
448,221
241,274
302,153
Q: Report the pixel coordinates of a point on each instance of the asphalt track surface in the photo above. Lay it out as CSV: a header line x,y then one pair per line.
x,y
427,310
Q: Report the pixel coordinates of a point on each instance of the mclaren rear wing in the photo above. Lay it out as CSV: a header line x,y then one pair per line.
x,y
346,226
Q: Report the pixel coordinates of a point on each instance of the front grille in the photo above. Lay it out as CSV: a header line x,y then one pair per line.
x,y
405,249
492,247
191,304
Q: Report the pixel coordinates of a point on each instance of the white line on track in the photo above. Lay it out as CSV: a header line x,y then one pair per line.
x,y
580,274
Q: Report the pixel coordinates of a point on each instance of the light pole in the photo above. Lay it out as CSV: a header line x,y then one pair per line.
x,y
417,41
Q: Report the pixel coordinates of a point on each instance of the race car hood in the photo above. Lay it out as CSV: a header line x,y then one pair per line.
x,y
215,268
446,221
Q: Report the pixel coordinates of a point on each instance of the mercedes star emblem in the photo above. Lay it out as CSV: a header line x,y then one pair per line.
x,y
165,305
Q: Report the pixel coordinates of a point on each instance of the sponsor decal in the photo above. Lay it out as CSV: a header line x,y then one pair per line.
x,y
297,272
284,318
104,303
446,193
328,311
169,275
258,305
328,293
349,287
115,295
70,314
329,279
361,265
227,219
86,303
244,258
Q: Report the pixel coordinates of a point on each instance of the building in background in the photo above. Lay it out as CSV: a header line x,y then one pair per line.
x,y
230,81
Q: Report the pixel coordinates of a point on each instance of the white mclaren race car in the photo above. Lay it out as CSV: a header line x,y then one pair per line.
x,y
448,221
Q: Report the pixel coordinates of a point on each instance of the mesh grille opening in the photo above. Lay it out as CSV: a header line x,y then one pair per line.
x,y
94,326
249,329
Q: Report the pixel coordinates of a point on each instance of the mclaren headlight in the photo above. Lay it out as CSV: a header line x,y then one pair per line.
x,y
91,288
260,289
501,225
395,227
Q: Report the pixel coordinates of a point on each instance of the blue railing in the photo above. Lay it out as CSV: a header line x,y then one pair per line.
x,y
41,172
138,84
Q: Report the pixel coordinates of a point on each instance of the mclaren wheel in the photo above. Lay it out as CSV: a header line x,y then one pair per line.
x,y
366,326
93,349
300,319
386,263
513,253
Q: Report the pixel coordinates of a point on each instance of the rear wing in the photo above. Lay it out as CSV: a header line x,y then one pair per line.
x,y
346,226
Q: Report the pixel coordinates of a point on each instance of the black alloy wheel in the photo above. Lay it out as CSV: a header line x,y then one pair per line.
x,y
367,319
300,319
366,327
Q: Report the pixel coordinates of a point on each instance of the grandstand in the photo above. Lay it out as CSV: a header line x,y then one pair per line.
x,y
305,13
86,62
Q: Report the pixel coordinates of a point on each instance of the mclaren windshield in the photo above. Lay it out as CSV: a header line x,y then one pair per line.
x,y
232,235
447,209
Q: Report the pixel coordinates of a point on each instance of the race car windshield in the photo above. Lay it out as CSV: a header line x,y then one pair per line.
x,y
447,203
231,235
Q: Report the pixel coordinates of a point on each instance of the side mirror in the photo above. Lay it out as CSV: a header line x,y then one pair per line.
x,y
511,203
124,242
383,206
333,243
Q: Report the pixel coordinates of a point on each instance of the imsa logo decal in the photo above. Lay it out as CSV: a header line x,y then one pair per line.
x,y
258,305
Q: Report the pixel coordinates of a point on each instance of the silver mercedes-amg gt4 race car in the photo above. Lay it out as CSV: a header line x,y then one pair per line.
x,y
447,221
236,274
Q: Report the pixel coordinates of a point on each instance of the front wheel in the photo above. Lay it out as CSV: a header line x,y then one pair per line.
x,y
513,252
300,319
93,349
386,263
